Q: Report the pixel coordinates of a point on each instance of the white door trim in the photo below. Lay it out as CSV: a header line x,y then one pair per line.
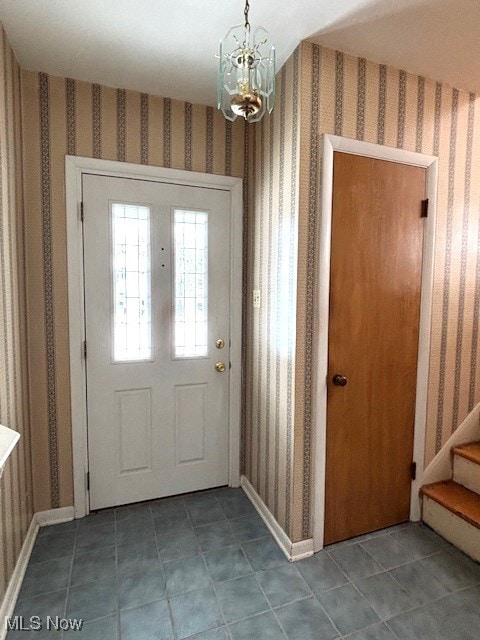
x,y
75,166
330,145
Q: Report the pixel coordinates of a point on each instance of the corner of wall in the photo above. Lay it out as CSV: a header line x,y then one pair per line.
x,y
16,481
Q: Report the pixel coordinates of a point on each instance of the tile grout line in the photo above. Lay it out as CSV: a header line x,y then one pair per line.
x,y
446,550
268,601
392,631
227,625
418,608
398,566
349,582
371,626
119,623
316,593
443,582
338,567
206,569
387,571
312,594
166,597
67,595
256,580
216,597
368,602
328,616
402,544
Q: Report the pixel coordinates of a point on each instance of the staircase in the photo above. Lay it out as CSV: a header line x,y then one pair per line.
x,y
452,507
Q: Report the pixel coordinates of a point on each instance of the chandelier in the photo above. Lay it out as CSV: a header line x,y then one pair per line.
x,y
246,78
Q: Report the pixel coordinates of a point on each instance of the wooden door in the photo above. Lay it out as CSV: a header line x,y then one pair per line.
x,y
375,283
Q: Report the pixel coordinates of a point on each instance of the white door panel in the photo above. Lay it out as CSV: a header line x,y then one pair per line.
x,y
157,291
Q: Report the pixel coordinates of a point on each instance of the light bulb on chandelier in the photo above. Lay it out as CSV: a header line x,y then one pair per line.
x,y
246,78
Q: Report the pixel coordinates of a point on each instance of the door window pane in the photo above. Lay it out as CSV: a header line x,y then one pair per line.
x,y
132,335
191,284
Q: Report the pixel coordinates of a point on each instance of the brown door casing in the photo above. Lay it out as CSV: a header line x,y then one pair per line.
x,y
375,286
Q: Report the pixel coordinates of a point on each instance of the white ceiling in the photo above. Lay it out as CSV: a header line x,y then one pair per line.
x,y
167,47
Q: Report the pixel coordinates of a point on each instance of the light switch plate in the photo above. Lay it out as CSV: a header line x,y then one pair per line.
x,y
256,298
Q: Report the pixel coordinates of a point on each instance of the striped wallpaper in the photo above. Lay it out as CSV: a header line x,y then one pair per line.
x,y
272,266
64,116
355,98
16,483
319,90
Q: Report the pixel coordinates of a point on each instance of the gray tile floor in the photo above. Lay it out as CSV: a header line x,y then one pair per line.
x,y
205,567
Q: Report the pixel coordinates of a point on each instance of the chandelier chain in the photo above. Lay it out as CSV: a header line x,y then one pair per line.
x,y
247,9
246,76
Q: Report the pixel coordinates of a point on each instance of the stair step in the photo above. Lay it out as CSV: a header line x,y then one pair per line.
x,y
469,451
457,499
454,512
466,466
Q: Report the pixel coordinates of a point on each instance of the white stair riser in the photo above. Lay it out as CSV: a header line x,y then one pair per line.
x,y
466,473
456,530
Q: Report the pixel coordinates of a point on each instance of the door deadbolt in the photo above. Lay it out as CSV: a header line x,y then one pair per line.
x,y
220,343
220,367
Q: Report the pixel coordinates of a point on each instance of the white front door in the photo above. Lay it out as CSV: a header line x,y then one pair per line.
x,y
157,291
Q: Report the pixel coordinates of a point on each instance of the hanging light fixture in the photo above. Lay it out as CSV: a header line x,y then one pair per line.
x,y
246,78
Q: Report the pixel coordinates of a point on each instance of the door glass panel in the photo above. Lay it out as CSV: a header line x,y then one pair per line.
x,y
132,335
191,284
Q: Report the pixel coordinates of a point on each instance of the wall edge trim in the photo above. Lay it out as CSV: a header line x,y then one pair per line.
x,y
10,600
293,550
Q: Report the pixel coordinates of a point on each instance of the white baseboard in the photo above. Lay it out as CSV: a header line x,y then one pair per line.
x,y
293,550
54,516
9,601
40,519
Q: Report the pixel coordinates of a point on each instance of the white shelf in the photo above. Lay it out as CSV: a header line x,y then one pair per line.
x,y
8,440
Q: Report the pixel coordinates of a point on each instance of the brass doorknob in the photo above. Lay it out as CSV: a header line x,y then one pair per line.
x,y
339,380
220,367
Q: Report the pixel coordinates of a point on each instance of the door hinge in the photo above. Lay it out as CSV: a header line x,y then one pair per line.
x,y
88,480
425,208
413,471
85,349
81,211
